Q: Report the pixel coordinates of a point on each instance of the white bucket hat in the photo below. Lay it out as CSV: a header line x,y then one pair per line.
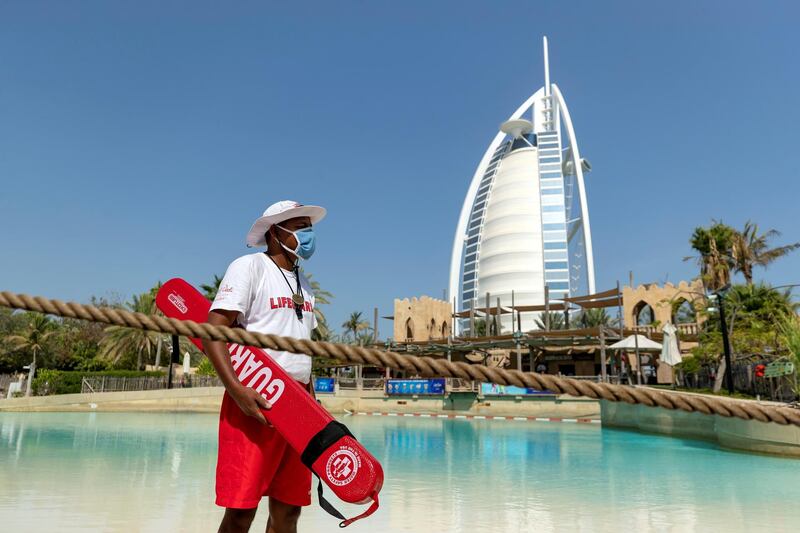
x,y
278,212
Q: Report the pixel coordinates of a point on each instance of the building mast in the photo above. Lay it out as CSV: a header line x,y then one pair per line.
x,y
546,68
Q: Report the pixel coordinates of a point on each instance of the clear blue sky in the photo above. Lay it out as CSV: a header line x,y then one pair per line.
x,y
139,140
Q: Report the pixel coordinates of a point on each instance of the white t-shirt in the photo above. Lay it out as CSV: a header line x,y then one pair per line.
x,y
253,286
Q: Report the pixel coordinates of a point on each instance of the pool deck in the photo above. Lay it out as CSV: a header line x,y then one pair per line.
x,y
344,401
732,433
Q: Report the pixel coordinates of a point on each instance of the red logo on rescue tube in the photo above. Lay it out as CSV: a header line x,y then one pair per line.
x,y
178,302
342,466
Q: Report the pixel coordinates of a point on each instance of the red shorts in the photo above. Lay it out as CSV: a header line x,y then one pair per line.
x,y
254,461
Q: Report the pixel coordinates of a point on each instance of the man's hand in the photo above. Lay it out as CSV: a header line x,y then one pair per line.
x,y
250,402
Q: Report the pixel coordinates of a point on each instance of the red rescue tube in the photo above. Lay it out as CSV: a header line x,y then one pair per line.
x,y
326,446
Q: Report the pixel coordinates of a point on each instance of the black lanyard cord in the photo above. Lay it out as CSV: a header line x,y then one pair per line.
x,y
297,295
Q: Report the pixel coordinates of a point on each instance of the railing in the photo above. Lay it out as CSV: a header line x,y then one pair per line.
x,y
5,382
117,384
114,384
202,381
690,328
347,383
373,383
596,379
463,385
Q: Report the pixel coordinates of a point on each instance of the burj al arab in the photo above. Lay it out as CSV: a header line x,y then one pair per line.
x,y
524,225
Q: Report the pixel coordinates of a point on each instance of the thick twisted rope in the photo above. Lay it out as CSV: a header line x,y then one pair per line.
x,y
422,365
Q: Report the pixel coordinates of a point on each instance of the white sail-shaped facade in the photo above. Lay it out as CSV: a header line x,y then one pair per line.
x,y
524,224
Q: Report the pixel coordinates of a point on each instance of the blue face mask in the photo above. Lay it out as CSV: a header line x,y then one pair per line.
x,y
306,242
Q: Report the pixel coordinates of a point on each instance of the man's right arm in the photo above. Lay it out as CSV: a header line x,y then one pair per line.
x,y
248,400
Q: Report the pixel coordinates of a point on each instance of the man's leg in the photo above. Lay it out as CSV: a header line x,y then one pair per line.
x,y
282,517
244,465
237,520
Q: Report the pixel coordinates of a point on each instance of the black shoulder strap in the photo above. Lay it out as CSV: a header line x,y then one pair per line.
x,y
320,442
331,510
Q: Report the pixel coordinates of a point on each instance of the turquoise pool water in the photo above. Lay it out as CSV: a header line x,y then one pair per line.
x,y
155,472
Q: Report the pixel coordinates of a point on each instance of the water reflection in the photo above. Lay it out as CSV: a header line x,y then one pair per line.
x,y
98,471
476,474
155,472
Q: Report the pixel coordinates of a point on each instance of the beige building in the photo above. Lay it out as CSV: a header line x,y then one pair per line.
x,y
649,307
421,319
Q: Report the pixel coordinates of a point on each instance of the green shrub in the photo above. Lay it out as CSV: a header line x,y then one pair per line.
x,y
93,365
690,364
205,368
49,381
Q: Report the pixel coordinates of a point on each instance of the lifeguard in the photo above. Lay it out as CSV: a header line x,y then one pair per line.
x,y
264,292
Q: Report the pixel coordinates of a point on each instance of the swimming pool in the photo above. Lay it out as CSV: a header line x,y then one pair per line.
x,y
155,472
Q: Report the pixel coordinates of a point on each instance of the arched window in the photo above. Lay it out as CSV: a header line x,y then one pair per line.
x,y
683,312
445,329
433,331
409,330
643,314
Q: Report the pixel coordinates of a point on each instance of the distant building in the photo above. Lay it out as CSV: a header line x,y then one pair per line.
x,y
524,223
421,319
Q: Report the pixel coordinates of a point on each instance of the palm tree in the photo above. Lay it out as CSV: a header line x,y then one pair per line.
x,y
555,319
751,249
480,328
365,337
760,302
210,289
354,325
321,297
754,315
120,341
39,329
714,247
591,318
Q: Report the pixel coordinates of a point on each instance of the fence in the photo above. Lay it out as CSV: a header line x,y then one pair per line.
x,y
373,383
347,383
464,385
596,379
112,384
6,380
780,389
366,383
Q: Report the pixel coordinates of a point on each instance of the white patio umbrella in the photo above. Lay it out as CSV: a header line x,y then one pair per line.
x,y
630,343
670,354
636,343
